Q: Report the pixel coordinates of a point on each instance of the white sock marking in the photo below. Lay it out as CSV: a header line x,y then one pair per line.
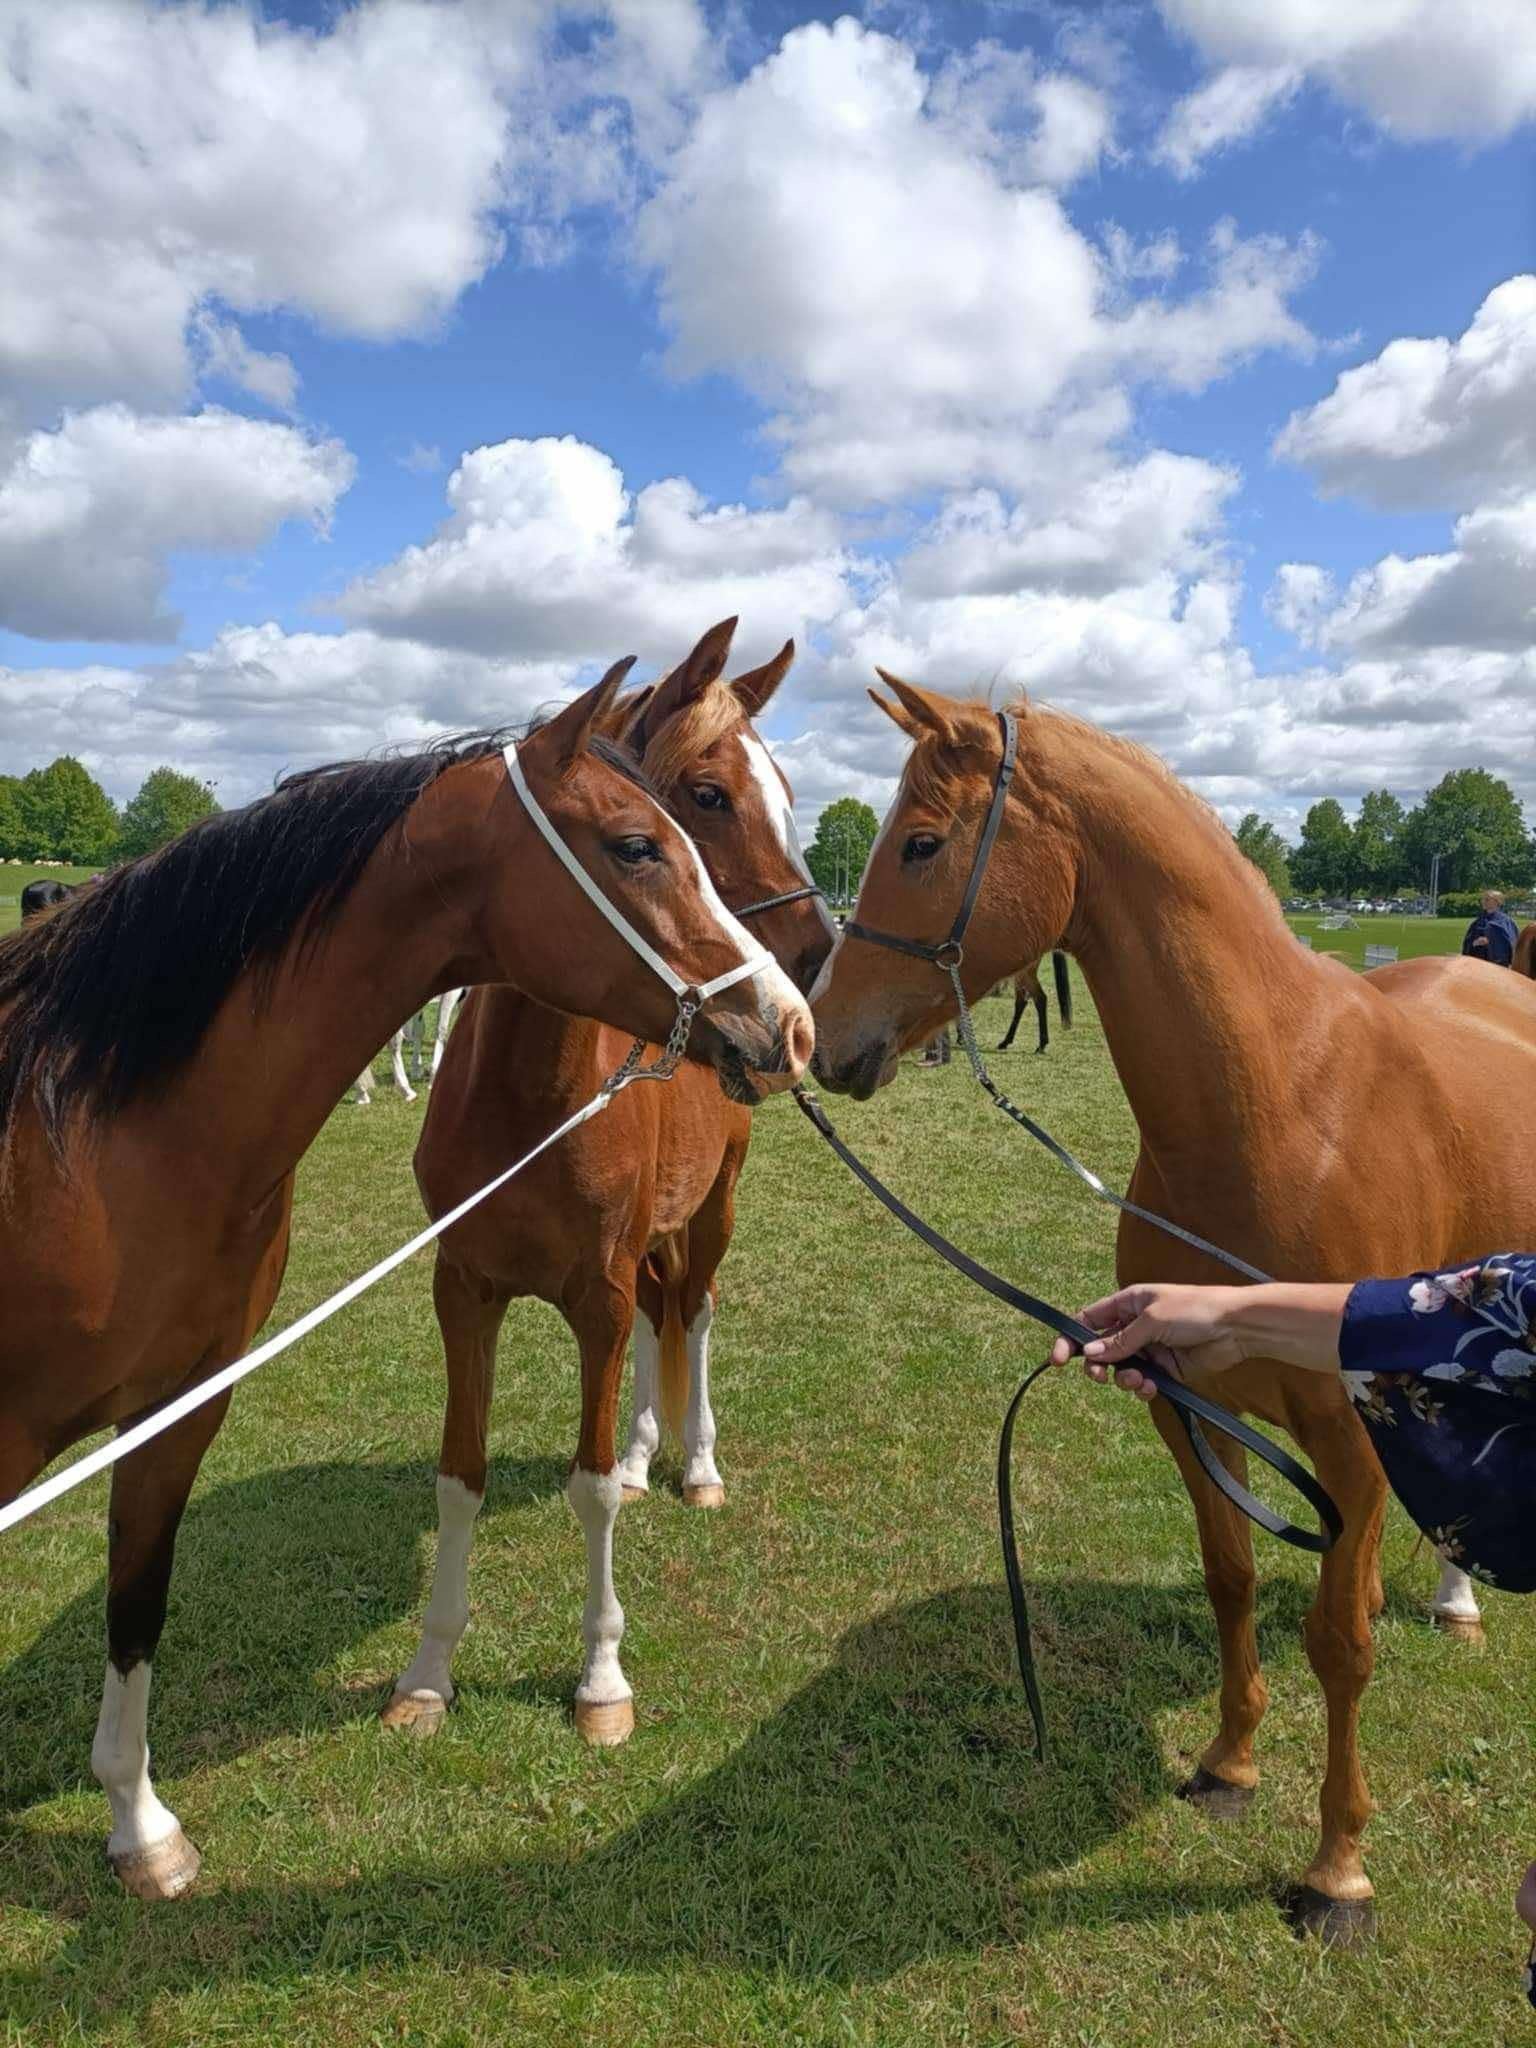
x,y
595,1498
447,1004
427,1677
699,1421
120,1762
397,1066
644,1424
1454,1597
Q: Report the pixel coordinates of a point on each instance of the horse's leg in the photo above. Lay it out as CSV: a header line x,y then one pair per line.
x,y
709,1238
1019,1004
470,1313
1334,1897
147,1849
447,1004
601,1316
644,1420
1223,1781
397,1066
1455,1607
365,1086
1039,1002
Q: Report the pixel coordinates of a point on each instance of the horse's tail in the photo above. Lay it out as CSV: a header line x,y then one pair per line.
x,y
1524,961
672,1259
1063,988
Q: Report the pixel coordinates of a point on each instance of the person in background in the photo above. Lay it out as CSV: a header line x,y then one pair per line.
x,y
1491,935
1440,1368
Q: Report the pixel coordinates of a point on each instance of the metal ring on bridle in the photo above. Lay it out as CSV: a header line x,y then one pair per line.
x,y
950,956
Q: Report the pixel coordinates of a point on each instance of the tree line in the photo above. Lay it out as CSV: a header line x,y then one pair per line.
x,y
1471,818
61,812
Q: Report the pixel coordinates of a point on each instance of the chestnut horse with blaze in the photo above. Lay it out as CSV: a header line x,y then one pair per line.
x,y
637,1207
165,1063
1320,1123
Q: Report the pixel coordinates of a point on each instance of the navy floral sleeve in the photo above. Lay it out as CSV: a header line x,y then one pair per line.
x,y
1441,1368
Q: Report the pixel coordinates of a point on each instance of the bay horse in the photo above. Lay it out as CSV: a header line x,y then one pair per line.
x,y
164,1066
1319,1123
640,1211
1027,989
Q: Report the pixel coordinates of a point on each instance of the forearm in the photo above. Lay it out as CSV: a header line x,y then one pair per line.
x,y
1296,1322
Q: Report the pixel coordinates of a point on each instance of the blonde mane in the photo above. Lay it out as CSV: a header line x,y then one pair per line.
x,y
691,733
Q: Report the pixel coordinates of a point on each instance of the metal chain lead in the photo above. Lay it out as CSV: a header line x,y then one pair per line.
x,y
664,1068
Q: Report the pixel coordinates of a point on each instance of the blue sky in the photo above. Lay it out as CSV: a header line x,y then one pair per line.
x,y
985,319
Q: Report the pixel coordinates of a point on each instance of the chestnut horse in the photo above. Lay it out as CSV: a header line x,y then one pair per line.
x,y
641,1209
164,1066
1319,1123
1524,961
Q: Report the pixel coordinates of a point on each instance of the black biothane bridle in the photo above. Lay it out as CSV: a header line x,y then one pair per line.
x,y
778,902
1194,1411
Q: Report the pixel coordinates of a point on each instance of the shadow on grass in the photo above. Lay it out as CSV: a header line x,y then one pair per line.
x,y
892,1810
274,1574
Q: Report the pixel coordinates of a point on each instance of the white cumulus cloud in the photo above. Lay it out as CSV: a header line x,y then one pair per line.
x,y
546,553
1420,68
90,513
877,260
1226,109
1431,421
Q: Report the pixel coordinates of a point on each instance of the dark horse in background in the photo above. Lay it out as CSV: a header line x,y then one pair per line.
x,y
40,896
1027,989
1524,961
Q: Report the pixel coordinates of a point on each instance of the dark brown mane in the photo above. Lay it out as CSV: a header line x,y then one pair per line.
x,y
104,1001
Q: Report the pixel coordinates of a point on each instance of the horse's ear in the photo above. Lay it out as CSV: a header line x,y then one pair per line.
x,y
753,690
690,679
623,711
896,715
567,733
928,710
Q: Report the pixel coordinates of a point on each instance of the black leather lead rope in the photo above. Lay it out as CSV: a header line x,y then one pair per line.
x,y
1193,1411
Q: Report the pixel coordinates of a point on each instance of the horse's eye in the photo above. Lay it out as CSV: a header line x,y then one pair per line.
x,y
635,850
921,846
710,797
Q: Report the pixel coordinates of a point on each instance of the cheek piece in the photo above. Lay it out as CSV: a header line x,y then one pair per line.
x,y
691,996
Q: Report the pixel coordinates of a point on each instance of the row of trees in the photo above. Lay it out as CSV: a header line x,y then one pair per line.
x,y
1472,819
61,812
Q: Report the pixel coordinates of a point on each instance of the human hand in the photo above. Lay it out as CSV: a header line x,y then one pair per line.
x,y
1525,1898
1166,1323
1478,942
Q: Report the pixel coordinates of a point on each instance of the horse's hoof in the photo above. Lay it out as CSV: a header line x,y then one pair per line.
x,y
711,1495
1217,1798
605,1723
1462,1628
418,1713
164,1871
1337,1923
628,1492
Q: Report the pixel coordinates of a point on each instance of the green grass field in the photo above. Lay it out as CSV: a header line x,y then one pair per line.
x,y
1412,936
829,1826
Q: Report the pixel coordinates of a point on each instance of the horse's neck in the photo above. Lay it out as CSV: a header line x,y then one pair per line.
x,y
1206,998
535,1049
274,1065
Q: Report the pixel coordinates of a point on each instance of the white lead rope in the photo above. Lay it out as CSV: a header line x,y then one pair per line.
x,y
206,1390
